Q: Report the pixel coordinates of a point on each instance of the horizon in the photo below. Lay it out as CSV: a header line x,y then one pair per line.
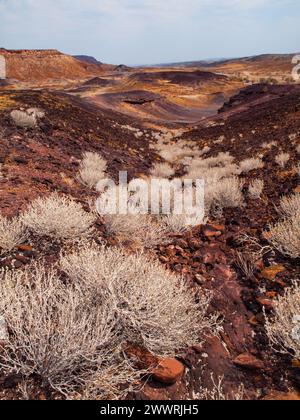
x,y
148,32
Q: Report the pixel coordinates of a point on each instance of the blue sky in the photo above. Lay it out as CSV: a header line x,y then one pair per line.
x,y
152,31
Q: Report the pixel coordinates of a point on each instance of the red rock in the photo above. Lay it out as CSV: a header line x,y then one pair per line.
x,y
182,243
267,303
270,273
163,259
248,361
168,371
25,248
211,232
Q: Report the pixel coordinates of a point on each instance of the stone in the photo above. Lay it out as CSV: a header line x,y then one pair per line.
x,y
211,232
248,361
267,303
168,371
297,189
25,248
270,273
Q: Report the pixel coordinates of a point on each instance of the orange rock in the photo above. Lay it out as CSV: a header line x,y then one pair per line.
x,y
296,363
168,371
297,189
281,396
267,303
248,361
209,231
270,273
25,248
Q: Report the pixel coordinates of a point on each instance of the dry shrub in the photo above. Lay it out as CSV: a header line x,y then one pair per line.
x,y
298,168
223,194
284,328
290,206
298,149
92,169
213,174
221,160
285,235
256,188
144,229
12,233
23,120
53,332
1,171
162,170
282,159
58,217
248,165
217,392
153,307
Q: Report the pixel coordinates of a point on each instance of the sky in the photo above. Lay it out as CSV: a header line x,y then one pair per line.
x,y
135,32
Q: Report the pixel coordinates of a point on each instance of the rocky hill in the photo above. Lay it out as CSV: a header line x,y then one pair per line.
x,y
41,65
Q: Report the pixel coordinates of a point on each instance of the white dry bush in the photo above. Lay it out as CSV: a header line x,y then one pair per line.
x,y
23,120
290,206
284,328
213,174
256,188
153,307
53,333
162,170
217,392
248,165
282,159
58,217
142,228
285,237
226,193
92,169
12,233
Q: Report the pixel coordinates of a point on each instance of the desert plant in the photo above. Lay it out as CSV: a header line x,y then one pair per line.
x,y
143,229
223,194
285,236
282,159
290,206
284,328
23,120
12,233
153,307
162,170
248,165
256,188
58,217
52,331
92,169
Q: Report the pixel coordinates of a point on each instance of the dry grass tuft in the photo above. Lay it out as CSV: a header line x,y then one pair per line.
x,y
153,307
249,165
282,159
162,170
58,217
256,188
284,329
12,233
92,169
52,331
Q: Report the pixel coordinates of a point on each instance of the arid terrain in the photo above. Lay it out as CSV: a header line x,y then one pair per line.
x,y
235,124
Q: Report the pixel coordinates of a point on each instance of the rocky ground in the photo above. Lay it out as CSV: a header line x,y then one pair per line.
x,y
46,158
